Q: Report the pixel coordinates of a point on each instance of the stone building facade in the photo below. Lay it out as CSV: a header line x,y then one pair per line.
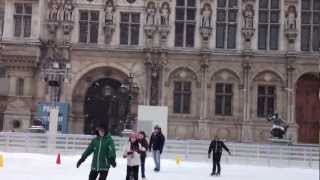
x,y
221,66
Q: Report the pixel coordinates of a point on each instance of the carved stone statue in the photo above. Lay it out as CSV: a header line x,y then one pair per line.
x,y
291,19
53,10
164,14
206,14
68,10
109,11
151,13
60,13
248,15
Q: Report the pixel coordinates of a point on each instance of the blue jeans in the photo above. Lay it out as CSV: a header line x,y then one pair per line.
x,y
156,158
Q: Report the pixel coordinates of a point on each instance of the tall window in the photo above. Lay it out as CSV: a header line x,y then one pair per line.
x,y
89,26
185,23
22,20
129,28
310,25
269,24
20,87
226,34
182,97
223,99
266,100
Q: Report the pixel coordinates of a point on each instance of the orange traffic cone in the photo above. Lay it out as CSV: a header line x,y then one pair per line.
x,y
58,161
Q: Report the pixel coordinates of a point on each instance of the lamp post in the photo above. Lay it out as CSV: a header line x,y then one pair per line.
x,y
130,88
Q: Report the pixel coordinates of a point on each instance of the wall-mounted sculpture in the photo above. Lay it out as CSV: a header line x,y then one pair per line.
x,y
109,26
248,25
206,22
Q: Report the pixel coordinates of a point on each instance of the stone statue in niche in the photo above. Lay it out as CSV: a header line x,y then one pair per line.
x,y
164,13
53,10
68,10
206,14
60,13
248,15
109,11
151,13
291,19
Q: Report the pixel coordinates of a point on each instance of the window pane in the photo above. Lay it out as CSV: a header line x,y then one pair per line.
x,y
191,14
305,38
220,36
177,103
17,26
94,16
84,15
233,3
190,35
191,3
260,107
124,17
136,18
274,17
178,86
180,2
232,31
275,4
316,18
306,4
135,34
316,38
179,35
306,18
274,37
219,104
83,32
261,90
19,8
222,3
263,4
179,14
233,15
229,88
263,16
316,4
124,34
186,103
219,88
27,26
221,15
93,32
187,86
270,105
271,90
262,36
228,105
28,8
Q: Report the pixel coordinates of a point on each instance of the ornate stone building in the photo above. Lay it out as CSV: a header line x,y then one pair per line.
x,y
221,66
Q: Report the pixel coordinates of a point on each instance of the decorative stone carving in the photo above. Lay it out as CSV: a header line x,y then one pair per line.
x,y
68,11
151,13
165,14
248,29
291,24
206,13
109,24
53,10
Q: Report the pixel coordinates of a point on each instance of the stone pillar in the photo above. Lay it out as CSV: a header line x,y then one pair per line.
x,y
246,133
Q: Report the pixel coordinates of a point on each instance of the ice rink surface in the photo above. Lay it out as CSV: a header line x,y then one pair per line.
x,y
18,166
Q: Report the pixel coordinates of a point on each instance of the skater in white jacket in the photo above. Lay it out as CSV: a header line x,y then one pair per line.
x,y
132,153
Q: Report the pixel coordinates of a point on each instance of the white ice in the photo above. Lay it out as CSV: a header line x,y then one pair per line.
x,y
18,166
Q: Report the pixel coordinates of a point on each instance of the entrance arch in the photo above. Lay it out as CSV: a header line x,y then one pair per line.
x,y
308,108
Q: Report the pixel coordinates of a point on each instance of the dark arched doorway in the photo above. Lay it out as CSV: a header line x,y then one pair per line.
x,y
308,108
105,106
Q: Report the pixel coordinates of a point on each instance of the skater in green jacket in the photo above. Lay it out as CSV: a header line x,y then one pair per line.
x,y
104,155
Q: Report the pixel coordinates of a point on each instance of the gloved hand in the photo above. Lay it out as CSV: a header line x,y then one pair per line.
x,y
79,162
209,156
113,163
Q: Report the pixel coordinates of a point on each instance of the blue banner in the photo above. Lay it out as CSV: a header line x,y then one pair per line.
x,y
43,110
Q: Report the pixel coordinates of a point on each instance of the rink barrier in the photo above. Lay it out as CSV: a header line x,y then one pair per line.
x,y
193,150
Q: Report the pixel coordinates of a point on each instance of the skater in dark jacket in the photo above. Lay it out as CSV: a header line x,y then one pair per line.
x,y
216,149
104,155
144,143
156,144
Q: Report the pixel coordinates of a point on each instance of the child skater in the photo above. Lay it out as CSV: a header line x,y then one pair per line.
x,y
132,152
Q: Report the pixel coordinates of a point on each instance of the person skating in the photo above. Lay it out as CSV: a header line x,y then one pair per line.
x,y
132,153
215,148
144,143
104,155
156,144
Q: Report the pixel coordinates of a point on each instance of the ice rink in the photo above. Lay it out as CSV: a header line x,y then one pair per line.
x,y
19,166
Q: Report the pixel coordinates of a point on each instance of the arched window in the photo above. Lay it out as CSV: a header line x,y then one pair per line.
x,y
185,23
182,97
223,104
226,34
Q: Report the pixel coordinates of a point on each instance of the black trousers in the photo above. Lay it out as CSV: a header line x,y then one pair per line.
x,y
143,162
216,163
94,174
132,171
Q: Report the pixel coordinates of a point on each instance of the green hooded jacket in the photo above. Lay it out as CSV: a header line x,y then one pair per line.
x,y
104,153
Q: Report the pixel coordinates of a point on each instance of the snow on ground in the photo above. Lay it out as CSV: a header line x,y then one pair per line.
x,y
19,166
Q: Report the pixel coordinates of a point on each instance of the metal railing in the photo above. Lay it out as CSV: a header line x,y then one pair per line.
x,y
193,150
